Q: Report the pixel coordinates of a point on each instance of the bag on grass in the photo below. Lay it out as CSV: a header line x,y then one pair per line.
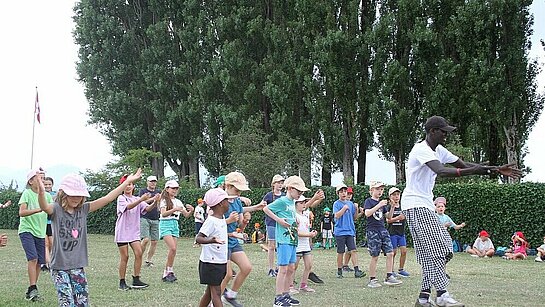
x,y
500,251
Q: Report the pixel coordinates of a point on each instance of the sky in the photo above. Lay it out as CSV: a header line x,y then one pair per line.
x,y
42,54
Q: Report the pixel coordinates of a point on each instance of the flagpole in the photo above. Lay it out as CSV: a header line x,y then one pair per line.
x,y
33,126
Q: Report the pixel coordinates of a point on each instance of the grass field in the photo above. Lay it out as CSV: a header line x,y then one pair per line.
x,y
476,282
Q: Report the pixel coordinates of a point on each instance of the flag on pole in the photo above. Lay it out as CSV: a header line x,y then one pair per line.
x,y
37,107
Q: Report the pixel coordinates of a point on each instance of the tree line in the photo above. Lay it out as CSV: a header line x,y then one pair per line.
x,y
271,86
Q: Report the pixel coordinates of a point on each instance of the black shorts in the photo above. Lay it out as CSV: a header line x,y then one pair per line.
x,y
212,274
48,230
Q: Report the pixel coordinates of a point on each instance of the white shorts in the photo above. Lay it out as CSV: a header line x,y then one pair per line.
x,y
327,234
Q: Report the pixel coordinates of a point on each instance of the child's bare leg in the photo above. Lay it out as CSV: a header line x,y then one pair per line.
x,y
137,250
490,253
389,262
281,285
307,259
347,257
373,267
354,257
215,296
403,256
123,259
245,267
205,299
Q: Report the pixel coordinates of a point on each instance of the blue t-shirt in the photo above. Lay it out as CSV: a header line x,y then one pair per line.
x,y
155,212
269,198
443,219
284,208
236,206
375,221
344,226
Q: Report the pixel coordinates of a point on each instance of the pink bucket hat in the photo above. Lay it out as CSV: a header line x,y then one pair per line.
x,y
214,196
439,200
74,185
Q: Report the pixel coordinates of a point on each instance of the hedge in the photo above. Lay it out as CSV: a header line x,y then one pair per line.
x,y
500,209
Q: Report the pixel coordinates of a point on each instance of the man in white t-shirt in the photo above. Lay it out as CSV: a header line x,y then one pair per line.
x,y
432,243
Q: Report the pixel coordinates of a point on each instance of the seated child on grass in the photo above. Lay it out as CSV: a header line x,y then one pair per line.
x,y
541,252
519,249
483,246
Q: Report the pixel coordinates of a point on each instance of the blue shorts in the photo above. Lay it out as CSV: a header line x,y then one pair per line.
x,y
271,233
345,241
169,228
286,254
34,247
235,249
377,241
398,241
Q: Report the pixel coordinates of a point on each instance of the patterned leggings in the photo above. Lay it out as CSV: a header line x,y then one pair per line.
x,y
432,245
71,285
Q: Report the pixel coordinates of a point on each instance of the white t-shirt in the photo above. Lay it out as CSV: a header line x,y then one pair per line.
x,y
303,245
420,178
199,214
176,203
214,252
483,245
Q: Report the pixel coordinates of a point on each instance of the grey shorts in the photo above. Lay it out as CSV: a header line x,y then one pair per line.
x,y
149,229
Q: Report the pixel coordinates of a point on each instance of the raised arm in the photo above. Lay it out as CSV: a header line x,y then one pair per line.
x,y
103,201
316,199
44,206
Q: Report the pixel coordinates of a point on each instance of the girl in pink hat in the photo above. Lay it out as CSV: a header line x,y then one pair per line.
x,y
69,225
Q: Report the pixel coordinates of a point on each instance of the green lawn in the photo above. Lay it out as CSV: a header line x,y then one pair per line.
x,y
476,282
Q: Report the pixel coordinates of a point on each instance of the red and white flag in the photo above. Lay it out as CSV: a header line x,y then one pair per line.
x,y
37,107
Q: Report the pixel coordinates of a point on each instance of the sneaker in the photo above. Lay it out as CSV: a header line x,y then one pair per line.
x,y
137,283
403,273
293,290
359,274
347,269
291,300
306,289
448,276
281,301
33,295
149,264
123,285
314,278
373,283
44,267
392,281
448,301
232,301
474,256
538,259
339,274
428,303
271,273
170,277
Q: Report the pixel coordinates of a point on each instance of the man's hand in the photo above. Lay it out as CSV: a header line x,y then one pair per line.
x,y
508,170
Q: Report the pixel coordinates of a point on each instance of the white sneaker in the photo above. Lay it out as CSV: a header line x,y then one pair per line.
x,y
538,259
446,300
373,283
474,256
392,281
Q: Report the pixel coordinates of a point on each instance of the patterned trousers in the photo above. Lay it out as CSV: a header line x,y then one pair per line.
x,y
71,285
432,245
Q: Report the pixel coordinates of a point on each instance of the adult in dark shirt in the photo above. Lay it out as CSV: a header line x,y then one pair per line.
x,y
149,222
276,192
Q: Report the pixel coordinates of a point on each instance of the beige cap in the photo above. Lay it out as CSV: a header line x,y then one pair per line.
x,y
340,186
392,190
237,180
172,184
375,184
277,178
295,182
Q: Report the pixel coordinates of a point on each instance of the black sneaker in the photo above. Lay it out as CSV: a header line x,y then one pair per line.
x,y
271,273
123,285
137,283
281,301
359,274
314,278
33,295
170,277
291,300
44,267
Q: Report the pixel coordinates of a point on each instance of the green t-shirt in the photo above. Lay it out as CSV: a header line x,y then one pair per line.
x,y
34,223
284,208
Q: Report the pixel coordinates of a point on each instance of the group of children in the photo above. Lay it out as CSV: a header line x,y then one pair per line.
x,y
289,234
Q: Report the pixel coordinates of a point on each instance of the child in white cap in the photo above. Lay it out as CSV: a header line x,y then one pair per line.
x,y
212,237
169,230
32,230
69,224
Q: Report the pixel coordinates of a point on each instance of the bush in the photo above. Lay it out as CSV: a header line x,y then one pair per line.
x,y
500,209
